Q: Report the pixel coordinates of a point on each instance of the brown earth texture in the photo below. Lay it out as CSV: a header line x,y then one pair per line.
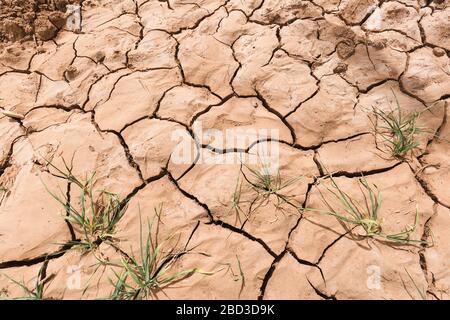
x,y
96,201
25,19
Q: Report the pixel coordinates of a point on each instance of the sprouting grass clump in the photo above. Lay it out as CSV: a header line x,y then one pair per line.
x,y
237,201
36,292
144,276
97,212
364,213
266,185
257,187
398,130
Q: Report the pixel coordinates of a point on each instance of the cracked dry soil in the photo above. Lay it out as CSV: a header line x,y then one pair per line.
x,y
111,94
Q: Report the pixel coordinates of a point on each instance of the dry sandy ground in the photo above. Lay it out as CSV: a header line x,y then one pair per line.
x,y
111,94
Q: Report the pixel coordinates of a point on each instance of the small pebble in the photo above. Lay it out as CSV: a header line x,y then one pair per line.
x,y
345,49
438,52
71,72
378,44
100,57
340,68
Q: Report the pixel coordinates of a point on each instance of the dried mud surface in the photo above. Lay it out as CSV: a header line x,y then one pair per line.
x,y
111,94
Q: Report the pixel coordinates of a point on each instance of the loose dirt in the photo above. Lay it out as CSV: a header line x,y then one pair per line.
x,y
25,19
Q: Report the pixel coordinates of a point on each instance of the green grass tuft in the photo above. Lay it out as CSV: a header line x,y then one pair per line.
x,y
266,186
35,293
398,130
97,213
144,276
364,213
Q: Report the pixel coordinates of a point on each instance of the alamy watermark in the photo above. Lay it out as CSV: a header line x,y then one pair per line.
x,y
73,281
373,277
73,20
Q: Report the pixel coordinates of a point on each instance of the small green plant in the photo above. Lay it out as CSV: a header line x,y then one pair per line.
x,y
241,277
257,187
239,202
142,277
237,277
96,214
267,185
398,130
364,213
36,293
420,291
